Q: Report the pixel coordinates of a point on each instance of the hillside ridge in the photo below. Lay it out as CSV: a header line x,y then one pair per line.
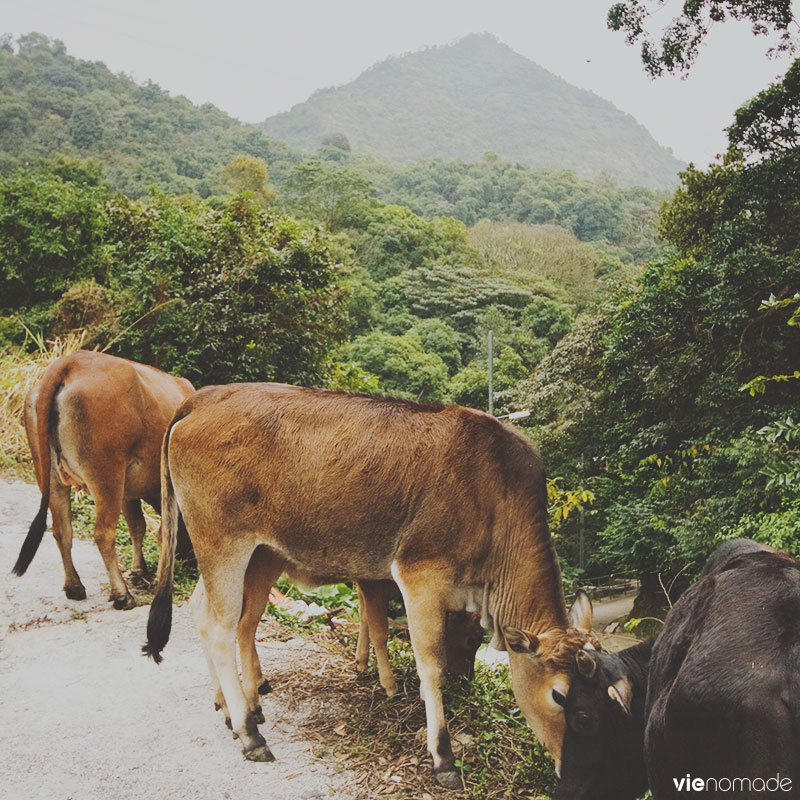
x,y
461,100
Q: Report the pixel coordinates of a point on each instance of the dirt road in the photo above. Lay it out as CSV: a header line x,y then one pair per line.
x,y
83,716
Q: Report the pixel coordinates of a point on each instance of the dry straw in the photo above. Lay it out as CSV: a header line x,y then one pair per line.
x,y
20,370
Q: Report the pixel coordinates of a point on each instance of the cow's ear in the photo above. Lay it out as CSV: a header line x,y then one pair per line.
x,y
621,692
580,615
586,664
519,641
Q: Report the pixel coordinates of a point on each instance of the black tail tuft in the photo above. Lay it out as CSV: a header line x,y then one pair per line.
x,y
159,624
32,540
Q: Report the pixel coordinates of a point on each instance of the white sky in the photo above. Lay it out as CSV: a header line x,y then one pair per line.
x,y
254,59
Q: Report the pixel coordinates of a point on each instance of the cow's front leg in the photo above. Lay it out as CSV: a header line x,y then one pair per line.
x,y
425,596
374,605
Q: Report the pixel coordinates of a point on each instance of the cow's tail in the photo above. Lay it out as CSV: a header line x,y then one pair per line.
x,y
159,622
46,424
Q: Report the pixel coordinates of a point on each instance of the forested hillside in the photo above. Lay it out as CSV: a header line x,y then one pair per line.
x,y
425,258
53,103
677,401
657,350
458,101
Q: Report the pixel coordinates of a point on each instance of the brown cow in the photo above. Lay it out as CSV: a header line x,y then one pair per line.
x,y
96,422
447,501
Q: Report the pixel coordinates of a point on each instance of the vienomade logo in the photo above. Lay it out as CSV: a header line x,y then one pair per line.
x,y
690,784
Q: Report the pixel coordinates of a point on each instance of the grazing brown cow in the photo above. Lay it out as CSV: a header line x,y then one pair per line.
x,y
447,501
96,422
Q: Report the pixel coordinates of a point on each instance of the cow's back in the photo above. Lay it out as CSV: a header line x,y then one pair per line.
x,y
346,482
723,676
108,412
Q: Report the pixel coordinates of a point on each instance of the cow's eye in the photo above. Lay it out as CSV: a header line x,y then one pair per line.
x,y
559,698
581,721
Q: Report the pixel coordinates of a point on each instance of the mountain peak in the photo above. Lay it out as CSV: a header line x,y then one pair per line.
x,y
459,100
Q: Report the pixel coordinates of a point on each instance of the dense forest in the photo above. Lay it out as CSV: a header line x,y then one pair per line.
x,y
450,101
653,337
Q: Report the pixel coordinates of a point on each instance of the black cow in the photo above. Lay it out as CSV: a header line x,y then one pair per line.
x,y
602,755
723,693
723,699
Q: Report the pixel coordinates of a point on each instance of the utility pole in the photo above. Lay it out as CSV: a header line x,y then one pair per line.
x,y
582,523
491,393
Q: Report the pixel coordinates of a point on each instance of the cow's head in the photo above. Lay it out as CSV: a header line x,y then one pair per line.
x,y
602,756
541,669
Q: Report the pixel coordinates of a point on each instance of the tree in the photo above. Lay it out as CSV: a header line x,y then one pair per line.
x,y
768,124
677,454
402,365
51,231
338,141
329,193
681,39
230,293
335,147
86,126
470,386
247,173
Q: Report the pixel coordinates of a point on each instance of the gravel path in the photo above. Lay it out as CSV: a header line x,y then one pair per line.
x,y
83,716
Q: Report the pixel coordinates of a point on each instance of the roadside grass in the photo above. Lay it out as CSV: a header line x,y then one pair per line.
x,y
383,739
496,752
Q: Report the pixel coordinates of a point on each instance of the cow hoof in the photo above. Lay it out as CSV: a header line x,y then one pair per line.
x,y
139,579
259,753
265,687
258,715
391,691
75,592
449,779
123,603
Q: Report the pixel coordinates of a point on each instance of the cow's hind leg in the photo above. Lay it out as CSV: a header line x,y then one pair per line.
x,y
263,570
132,509
62,533
196,602
217,612
425,596
107,494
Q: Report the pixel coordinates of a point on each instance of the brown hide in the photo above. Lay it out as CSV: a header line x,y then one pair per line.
x,y
447,501
96,422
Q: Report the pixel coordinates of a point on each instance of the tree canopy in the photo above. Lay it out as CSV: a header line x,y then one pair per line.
x,y
680,40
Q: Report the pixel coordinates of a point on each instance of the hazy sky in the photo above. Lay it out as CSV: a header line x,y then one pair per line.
x,y
253,59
